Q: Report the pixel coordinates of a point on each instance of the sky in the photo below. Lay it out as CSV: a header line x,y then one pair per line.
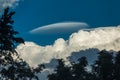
x,y
51,28
31,14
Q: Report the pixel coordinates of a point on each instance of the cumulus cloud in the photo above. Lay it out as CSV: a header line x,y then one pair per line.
x,y
61,28
101,38
8,3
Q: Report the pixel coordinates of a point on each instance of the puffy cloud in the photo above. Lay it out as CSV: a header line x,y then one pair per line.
x,y
8,3
94,38
101,38
35,54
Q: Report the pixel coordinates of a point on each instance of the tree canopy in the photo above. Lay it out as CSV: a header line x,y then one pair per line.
x,y
10,68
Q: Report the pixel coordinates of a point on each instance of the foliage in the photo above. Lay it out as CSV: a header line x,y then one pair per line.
x,y
106,67
79,70
7,33
103,67
62,72
117,67
11,68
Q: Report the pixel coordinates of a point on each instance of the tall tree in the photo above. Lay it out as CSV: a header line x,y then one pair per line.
x,y
103,67
10,68
7,33
62,72
117,67
79,70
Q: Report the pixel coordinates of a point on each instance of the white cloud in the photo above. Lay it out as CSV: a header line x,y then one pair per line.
x,y
94,38
102,38
61,28
8,3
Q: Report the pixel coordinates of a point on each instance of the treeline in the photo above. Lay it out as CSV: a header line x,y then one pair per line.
x,y
106,67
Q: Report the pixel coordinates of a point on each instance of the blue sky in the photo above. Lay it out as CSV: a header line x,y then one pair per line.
x,y
31,14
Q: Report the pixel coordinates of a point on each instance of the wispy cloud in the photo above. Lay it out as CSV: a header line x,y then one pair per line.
x,y
8,3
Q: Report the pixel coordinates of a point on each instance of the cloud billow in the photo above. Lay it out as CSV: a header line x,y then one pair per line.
x,y
86,42
100,38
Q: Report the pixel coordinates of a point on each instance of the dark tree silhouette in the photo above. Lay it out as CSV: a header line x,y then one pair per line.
x,y
117,67
11,68
103,67
39,68
79,70
62,72
106,67
7,33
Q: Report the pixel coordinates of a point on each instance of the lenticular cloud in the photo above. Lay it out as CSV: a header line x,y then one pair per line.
x,y
60,28
101,38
